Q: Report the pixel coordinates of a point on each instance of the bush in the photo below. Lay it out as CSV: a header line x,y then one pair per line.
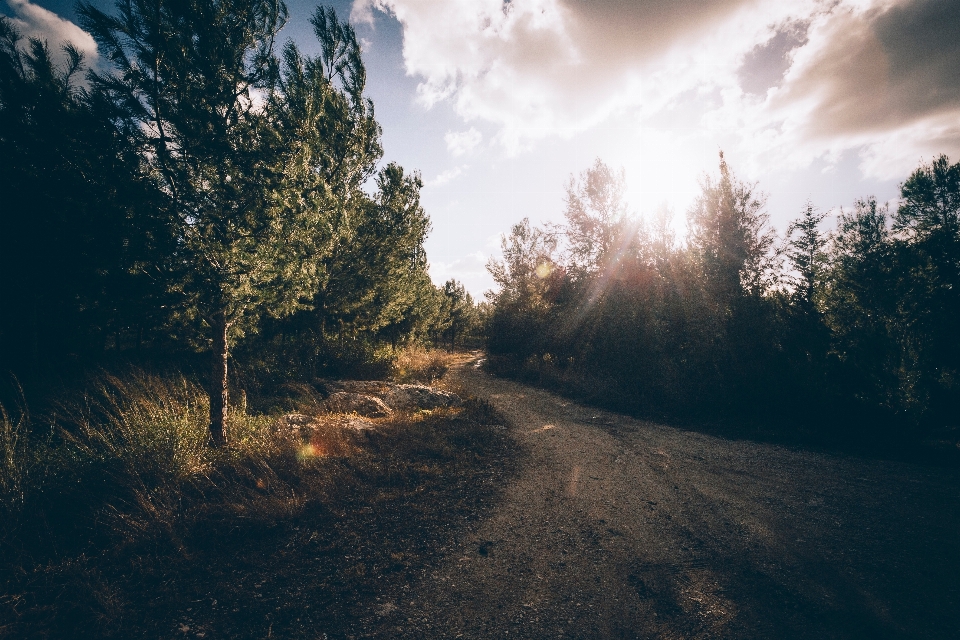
x,y
123,515
418,364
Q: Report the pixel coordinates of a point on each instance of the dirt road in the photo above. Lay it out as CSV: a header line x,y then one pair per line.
x,y
618,528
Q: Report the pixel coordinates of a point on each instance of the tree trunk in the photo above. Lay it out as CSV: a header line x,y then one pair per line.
x,y
218,382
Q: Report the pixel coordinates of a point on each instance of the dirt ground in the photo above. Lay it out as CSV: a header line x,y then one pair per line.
x,y
618,528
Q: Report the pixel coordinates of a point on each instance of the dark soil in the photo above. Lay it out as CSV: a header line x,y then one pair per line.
x,y
618,528
535,517
372,524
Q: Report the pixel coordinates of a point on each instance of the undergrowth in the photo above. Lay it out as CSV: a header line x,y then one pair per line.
x,y
116,514
420,364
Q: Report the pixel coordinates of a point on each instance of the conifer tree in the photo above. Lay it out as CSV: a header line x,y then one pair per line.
x,y
729,236
525,276
235,150
805,338
927,261
458,309
598,231
378,269
806,251
78,223
859,302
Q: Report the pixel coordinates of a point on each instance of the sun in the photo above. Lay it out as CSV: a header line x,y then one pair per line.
x,y
664,167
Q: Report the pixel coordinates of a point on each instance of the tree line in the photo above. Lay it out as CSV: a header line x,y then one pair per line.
x,y
852,328
202,188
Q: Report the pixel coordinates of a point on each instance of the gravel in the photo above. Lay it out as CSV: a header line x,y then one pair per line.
x,y
619,528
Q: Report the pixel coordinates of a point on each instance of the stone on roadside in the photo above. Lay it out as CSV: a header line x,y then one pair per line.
x,y
296,421
353,423
418,396
366,387
361,404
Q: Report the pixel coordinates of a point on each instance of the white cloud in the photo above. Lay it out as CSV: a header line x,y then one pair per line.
x,y
882,78
33,21
446,176
776,83
541,68
462,142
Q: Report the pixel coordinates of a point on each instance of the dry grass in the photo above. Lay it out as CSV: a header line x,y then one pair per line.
x,y
117,515
419,364
14,461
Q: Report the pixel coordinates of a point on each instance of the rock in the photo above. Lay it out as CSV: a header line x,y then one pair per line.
x,y
351,423
296,421
377,398
304,424
367,387
361,404
418,396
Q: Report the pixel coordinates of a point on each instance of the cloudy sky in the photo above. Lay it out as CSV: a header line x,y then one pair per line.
x,y
498,103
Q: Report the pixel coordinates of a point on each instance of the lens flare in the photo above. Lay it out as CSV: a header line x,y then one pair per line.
x,y
544,269
310,451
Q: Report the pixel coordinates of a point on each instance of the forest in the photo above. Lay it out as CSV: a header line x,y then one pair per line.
x,y
198,234
201,244
163,211
210,192
850,331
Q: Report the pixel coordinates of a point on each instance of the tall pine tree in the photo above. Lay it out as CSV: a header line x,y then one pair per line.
x,y
235,151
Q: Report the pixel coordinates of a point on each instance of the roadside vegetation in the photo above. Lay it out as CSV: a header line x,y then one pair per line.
x,y
207,201
846,333
201,239
199,233
117,519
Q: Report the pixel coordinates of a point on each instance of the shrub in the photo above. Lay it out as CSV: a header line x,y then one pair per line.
x,y
418,364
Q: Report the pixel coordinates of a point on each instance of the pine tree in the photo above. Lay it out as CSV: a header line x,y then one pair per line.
x,y
236,151
378,269
806,252
860,303
79,221
458,309
927,255
598,231
730,237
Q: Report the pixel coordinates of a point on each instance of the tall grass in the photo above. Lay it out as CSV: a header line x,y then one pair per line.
x,y
157,426
113,501
14,462
416,363
149,436
129,460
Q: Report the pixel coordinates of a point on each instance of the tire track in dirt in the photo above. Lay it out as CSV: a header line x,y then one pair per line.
x,y
619,528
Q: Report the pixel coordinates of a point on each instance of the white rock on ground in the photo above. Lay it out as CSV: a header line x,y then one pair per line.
x,y
405,397
361,404
295,421
417,396
301,423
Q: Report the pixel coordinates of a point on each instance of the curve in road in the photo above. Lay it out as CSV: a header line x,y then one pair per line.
x,y
620,528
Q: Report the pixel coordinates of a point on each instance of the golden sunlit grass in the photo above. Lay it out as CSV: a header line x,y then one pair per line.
x,y
419,364
14,460
114,508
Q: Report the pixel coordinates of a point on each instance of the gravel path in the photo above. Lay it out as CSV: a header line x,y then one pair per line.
x,y
619,528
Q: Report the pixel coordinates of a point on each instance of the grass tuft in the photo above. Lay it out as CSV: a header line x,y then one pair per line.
x,y
420,365
14,461
118,516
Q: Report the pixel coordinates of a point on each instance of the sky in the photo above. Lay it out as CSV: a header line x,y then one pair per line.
x,y
498,103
